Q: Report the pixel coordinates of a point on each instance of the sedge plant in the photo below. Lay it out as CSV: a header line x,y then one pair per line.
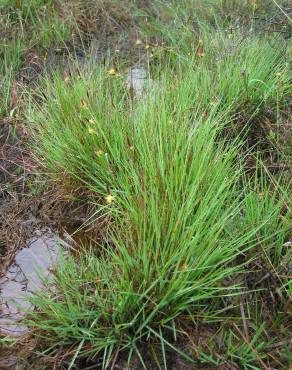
x,y
161,169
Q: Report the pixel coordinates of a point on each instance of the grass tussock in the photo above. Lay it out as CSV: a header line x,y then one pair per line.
x,y
185,218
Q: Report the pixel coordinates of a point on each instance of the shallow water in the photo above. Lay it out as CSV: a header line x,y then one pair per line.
x,y
137,80
23,278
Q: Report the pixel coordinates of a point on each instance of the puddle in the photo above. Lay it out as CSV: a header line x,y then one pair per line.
x,y
137,80
23,279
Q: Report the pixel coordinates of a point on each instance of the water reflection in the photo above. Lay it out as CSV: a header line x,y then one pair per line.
x,y
23,278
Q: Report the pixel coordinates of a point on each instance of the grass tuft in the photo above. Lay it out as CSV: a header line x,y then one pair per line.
x,y
182,218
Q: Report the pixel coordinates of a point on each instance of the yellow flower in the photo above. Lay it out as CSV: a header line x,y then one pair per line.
x,y
99,153
67,79
91,121
109,199
278,74
147,46
138,42
131,147
91,130
112,72
184,267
